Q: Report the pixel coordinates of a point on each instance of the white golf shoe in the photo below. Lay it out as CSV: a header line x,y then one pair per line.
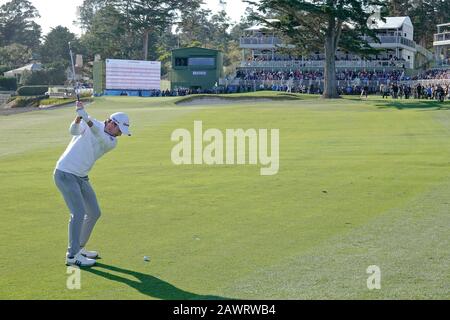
x,y
80,261
89,254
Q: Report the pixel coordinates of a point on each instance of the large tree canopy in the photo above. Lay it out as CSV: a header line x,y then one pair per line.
x,y
55,46
326,24
14,56
17,25
139,18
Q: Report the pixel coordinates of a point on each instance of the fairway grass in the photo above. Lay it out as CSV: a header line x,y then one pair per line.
x,y
361,183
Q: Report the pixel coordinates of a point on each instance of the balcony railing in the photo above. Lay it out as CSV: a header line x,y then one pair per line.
x,y
297,64
442,36
424,52
246,41
260,41
392,39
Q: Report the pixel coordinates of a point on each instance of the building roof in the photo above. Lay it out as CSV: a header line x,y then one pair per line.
x,y
196,48
29,67
391,23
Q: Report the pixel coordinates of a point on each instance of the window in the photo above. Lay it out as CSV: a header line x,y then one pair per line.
x,y
202,62
181,62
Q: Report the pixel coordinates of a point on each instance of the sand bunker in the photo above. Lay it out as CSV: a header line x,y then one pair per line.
x,y
199,101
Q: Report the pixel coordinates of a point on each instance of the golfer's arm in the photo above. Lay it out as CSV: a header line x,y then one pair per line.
x,y
75,127
99,135
94,129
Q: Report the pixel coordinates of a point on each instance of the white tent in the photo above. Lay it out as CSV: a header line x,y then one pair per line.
x,y
260,27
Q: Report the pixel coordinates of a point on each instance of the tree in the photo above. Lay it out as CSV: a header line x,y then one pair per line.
x,y
138,19
398,8
15,55
55,46
88,10
152,16
194,27
106,34
326,23
220,23
17,25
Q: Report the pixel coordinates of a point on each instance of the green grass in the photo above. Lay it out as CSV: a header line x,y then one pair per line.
x,y
360,183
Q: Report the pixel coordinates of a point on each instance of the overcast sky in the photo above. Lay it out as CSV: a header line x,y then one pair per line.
x,y
63,12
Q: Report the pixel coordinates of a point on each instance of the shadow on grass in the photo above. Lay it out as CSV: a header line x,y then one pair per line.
x,y
148,285
415,104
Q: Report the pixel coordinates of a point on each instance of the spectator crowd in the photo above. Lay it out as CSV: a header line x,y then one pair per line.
x,y
431,84
297,75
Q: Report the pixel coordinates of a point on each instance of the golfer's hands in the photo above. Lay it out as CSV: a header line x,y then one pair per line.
x,y
81,111
79,105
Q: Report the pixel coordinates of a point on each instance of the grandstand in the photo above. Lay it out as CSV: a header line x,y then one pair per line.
x,y
265,64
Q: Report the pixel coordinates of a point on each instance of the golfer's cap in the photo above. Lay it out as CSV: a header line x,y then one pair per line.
x,y
122,120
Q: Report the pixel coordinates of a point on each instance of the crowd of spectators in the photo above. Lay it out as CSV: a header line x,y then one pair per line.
x,y
434,74
431,91
394,90
398,86
321,57
180,92
297,75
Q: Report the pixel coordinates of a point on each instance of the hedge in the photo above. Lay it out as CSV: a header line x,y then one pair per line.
x,y
8,84
32,90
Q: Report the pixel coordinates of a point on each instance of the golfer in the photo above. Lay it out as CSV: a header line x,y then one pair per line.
x,y
91,140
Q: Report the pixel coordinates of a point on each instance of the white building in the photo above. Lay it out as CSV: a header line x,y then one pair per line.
x,y
260,45
396,35
441,44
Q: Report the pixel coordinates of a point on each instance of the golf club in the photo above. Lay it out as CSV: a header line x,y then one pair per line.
x,y
76,86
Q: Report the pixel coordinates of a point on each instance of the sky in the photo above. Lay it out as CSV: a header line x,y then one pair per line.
x,y
64,12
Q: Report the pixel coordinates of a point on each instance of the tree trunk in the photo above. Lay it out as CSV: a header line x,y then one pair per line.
x,y
330,83
146,33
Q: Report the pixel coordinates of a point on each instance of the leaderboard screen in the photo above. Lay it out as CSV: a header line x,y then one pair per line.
x,y
133,75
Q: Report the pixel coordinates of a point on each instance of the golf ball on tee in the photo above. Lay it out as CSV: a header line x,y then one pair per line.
x,y
147,259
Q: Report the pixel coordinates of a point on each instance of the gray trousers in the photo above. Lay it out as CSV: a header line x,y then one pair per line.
x,y
82,202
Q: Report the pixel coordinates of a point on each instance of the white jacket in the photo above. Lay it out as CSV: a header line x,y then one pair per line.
x,y
86,147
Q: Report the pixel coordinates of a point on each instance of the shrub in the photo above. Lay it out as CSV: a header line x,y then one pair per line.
x,y
4,68
8,84
48,76
32,90
21,102
55,101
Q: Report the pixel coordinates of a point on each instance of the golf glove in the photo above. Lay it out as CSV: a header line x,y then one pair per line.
x,y
83,114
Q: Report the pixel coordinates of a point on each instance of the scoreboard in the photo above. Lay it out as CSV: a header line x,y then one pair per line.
x,y
133,75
